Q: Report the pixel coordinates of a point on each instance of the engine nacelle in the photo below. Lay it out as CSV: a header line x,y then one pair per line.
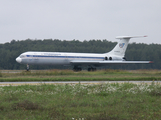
x,y
110,58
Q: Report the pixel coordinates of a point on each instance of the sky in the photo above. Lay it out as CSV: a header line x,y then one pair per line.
x,y
80,20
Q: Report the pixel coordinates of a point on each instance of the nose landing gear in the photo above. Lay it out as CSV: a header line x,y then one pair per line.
x,y
27,67
76,68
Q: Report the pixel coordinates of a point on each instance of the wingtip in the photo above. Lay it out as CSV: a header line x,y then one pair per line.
x,y
151,62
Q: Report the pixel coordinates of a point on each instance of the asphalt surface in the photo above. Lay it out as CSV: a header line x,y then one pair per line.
x,y
75,82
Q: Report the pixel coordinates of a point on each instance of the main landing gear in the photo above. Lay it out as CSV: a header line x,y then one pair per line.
x,y
76,68
91,69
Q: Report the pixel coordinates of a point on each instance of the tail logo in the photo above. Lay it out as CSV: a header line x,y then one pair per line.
x,y
121,45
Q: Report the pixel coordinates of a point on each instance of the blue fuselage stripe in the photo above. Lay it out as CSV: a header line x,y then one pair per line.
x,y
42,56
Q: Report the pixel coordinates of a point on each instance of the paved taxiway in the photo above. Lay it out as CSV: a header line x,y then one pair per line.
x,y
75,82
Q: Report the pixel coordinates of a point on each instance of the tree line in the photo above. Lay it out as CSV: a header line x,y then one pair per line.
x,y
135,51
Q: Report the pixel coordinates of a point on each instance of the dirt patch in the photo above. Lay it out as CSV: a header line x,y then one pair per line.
x,y
26,105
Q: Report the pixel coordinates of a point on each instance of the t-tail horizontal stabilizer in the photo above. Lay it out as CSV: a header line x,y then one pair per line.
x,y
129,37
120,48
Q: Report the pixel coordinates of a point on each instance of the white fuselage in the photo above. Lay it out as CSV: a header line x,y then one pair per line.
x,y
61,58
115,56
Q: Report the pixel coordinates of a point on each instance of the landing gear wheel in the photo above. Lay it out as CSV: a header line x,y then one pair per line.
x,y
91,69
76,68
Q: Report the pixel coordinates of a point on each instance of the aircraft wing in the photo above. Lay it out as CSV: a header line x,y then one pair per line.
x,y
97,63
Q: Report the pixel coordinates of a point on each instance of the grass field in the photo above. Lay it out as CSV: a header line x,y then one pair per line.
x,y
69,75
82,102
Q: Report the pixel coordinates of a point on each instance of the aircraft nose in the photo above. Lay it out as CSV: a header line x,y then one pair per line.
x,y
18,59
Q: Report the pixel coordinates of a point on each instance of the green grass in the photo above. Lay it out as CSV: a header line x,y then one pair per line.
x,y
69,75
80,79
59,102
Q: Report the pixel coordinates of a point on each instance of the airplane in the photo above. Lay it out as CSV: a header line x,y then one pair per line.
x,y
115,56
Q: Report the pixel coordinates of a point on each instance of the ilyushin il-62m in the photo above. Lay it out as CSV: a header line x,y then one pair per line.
x,y
78,60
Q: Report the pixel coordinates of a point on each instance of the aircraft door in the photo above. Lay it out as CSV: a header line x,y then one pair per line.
x,y
30,60
35,58
66,61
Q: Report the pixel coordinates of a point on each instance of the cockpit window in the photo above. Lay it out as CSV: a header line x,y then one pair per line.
x,y
22,56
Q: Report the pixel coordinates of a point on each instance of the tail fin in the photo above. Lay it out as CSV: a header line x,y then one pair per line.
x,y
121,46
